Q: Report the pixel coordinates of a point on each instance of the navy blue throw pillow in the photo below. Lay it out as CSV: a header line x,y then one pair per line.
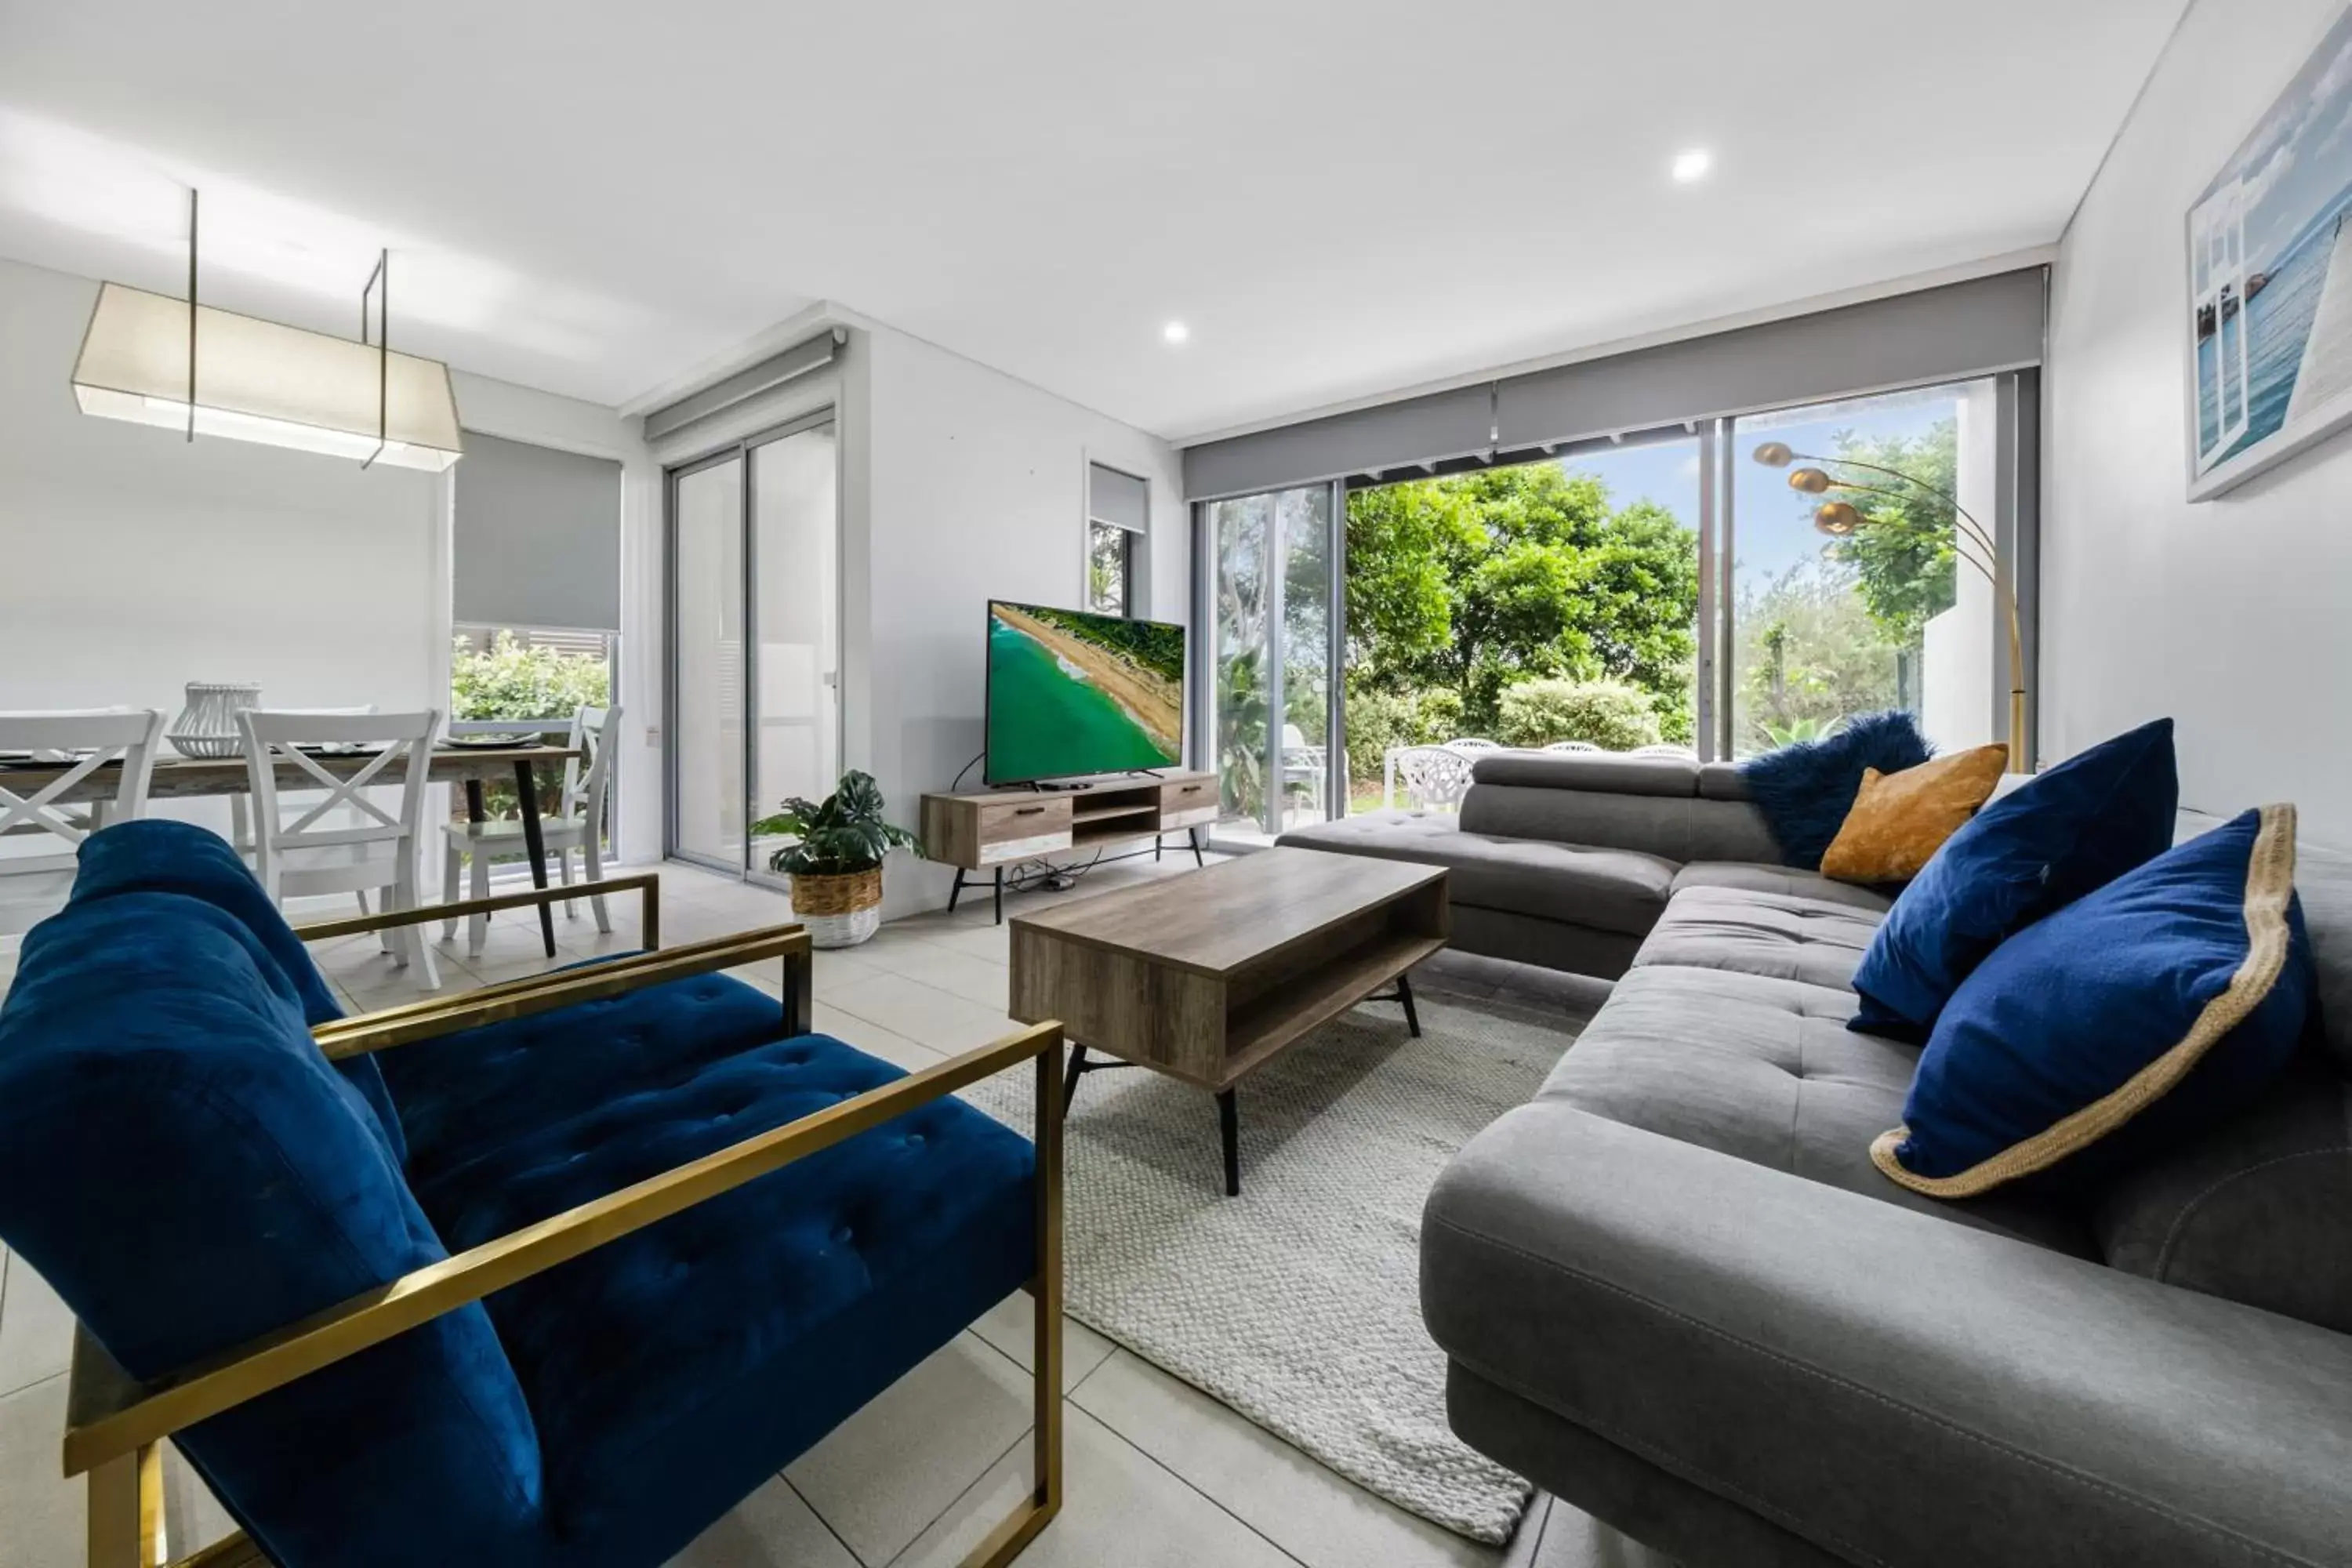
x,y
1805,789
2125,1022
2068,832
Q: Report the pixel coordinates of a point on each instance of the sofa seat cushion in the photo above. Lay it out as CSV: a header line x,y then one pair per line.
x,y
1607,890
672,1371
465,1093
1777,935
1768,878
1767,1070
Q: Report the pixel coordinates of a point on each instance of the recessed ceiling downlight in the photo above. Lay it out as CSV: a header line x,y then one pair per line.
x,y
1175,332
1693,164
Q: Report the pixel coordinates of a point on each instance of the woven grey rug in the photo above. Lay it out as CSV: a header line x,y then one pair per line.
x,y
1297,1303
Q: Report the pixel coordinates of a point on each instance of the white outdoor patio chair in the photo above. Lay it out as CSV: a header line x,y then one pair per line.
x,y
1572,746
1474,744
1683,752
1304,764
369,847
35,877
578,822
1435,778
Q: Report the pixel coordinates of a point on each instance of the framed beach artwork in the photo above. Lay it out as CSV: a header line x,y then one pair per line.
x,y
2270,281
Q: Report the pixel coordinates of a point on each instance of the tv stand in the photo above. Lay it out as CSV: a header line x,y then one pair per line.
x,y
992,829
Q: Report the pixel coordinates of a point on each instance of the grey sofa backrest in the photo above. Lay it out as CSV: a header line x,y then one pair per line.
x,y
1678,810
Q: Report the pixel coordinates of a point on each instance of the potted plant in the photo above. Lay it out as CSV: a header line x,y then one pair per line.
x,y
836,864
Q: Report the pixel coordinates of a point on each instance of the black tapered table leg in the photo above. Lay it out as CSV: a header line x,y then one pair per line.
x,y
1412,1016
1192,837
534,841
1229,1132
955,892
1070,1079
999,895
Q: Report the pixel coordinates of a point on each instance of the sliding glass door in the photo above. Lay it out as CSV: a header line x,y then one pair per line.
x,y
754,640
1271,595
1659,590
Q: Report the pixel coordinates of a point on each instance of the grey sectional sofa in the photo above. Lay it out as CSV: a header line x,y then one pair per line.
x,y
1674,1290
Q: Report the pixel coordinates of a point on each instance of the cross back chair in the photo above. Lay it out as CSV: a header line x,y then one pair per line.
x,y
33,883
578,824
302,847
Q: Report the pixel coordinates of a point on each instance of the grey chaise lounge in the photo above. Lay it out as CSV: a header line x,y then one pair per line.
x,y
1674,1291
1568,861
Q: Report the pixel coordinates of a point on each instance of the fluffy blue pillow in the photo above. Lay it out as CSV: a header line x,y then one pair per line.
x,y
1806,789
2066,832
2139,1013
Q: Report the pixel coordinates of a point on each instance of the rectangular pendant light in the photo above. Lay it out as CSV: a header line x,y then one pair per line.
x,y
261,381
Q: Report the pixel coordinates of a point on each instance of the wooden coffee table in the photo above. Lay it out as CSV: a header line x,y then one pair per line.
x,y
1209,976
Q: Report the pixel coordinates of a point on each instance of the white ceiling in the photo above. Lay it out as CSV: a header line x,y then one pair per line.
x,y
1340,198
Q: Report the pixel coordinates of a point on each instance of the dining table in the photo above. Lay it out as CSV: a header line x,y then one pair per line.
x,y
470,766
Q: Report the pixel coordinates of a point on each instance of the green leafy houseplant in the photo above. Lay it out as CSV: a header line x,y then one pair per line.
x,y
836,860
840,837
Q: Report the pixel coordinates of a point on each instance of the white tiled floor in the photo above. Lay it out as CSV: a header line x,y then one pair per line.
x,y
1157,1472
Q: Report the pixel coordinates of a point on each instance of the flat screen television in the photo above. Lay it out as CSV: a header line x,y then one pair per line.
x,y
1071,693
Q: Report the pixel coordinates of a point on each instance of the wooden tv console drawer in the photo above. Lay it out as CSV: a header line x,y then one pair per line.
x,y
977,831
996,828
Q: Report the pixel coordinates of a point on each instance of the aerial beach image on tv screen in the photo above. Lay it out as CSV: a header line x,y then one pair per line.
x,y
1075,693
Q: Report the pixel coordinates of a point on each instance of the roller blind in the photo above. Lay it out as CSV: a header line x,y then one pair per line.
x,y
1120,499
538,538
1949,333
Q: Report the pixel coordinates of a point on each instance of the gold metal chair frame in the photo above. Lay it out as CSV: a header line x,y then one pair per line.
x,y
113,1424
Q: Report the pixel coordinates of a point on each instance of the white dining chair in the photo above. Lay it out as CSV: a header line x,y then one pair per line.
x,y
240,820
299,853
1572,746
37,872
577,823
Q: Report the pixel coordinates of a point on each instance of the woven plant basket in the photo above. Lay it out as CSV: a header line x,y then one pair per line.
x,y
839,911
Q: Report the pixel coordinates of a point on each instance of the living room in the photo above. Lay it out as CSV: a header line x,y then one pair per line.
x,y
937,786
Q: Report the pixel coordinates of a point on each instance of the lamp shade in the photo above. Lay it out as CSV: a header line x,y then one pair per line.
x,y
260,381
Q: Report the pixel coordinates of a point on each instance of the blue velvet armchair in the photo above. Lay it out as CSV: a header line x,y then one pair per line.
x,y
555,1271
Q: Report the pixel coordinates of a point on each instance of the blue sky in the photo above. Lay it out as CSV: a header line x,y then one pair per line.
x,y
1774,523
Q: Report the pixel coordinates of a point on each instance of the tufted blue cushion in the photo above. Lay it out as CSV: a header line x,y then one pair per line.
x,y
672,1372
2118,1025
179,1161
2060,835
1805,789
152,855
465,1092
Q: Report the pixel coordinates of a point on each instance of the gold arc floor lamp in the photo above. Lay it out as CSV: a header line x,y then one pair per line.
x,y
1842,520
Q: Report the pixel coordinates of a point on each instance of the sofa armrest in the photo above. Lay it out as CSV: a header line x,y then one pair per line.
x,y
1891,1386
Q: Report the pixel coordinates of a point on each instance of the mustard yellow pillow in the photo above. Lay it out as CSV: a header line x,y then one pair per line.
x,y
1900,820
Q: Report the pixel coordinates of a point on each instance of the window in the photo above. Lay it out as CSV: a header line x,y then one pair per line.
x,y
1546,603
1269,659
1893,615
1109,580
1118,513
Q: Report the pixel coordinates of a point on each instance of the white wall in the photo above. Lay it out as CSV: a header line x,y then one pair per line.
x,y
132,561
979,492
2229,615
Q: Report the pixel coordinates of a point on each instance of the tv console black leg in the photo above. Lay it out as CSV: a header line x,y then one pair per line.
x,y
1192,837
955,892
1159,841
1229,1132
999,895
